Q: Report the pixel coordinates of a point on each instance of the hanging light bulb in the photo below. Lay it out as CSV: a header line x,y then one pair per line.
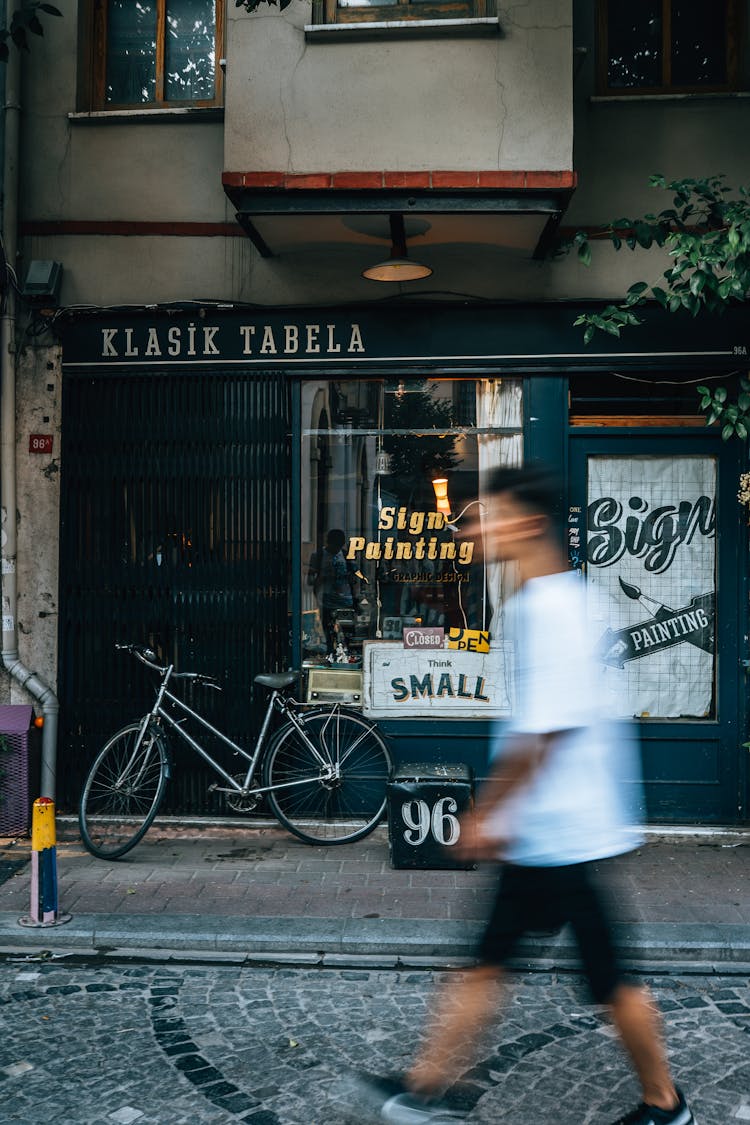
x,y
397,267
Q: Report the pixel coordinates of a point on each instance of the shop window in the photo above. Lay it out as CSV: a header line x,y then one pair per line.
x,y
668,46
379,558
156,53
375,11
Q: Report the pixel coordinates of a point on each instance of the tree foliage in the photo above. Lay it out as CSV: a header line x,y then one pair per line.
x,y
706,233
24,21
733,415
421,448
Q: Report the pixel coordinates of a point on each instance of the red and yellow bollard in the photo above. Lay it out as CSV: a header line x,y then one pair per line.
x,y
44,908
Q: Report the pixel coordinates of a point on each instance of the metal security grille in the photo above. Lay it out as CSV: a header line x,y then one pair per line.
x,y
175,532
14,770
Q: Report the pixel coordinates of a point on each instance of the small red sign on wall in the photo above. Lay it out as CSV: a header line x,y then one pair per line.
x,y
40,443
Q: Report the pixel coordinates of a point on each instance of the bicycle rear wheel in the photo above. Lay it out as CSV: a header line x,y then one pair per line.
x,y
342,798
123,791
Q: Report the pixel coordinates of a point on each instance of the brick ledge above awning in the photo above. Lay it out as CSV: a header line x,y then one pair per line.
x,y
283,210
363,181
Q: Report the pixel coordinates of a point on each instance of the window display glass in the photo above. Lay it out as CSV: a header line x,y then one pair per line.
x,y
393,474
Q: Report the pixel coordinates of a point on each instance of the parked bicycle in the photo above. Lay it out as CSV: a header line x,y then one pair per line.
x,y
324,771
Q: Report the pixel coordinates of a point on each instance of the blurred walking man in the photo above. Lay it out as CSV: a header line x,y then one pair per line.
x,y
554,809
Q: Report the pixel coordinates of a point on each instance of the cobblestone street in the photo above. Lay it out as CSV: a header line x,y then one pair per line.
x,y
162,1045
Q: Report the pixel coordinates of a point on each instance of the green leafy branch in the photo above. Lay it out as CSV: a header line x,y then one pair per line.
x,y
25,20
734,416
706,234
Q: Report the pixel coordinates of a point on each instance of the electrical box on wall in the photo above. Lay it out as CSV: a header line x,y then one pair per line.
x,y
42,285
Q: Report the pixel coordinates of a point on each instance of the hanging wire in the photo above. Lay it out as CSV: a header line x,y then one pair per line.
x,y
451,523
674,382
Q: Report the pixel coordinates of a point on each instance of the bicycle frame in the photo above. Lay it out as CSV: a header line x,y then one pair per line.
x,y
324,769
278,702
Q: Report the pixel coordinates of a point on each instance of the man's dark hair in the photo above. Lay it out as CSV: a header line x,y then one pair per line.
x,y
335,540
533,486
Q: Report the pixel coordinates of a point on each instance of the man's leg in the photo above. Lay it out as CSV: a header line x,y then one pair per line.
x,y
463,1009
633,1009
638,1021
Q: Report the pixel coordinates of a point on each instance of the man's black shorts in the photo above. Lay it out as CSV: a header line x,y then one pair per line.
x,y
545,898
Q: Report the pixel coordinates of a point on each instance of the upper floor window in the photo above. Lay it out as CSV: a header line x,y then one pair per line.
x,y
154,53
668,46
378,11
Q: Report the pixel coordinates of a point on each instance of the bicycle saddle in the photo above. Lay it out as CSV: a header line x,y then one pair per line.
x,y
277,680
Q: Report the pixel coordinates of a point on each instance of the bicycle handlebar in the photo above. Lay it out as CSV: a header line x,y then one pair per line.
x,y
147,656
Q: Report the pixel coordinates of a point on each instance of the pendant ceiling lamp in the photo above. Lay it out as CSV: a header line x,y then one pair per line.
x,y
399,266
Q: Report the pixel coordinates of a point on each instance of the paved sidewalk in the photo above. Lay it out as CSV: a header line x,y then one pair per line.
x,y
222,890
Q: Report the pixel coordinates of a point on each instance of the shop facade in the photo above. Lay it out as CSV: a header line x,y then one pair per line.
x,y
304,488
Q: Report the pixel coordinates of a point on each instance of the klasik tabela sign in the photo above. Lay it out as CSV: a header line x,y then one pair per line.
x,y
409,684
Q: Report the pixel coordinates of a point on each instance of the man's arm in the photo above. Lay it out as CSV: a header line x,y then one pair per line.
x,y
523,756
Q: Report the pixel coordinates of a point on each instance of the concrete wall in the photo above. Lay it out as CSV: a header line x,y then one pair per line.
x,y
38,516
166,169
502,102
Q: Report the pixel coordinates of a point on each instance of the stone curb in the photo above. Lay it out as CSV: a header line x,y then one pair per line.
x,y
394,941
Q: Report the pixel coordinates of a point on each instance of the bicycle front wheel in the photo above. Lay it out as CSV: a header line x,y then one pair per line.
x,y
123,791
336,795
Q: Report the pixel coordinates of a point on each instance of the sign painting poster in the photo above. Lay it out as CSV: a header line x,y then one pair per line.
x,y
651,549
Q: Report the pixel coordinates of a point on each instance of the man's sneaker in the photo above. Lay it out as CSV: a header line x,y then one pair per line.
x,y
652,1115
386,1099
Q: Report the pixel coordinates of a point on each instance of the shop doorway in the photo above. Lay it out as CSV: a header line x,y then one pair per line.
x,y
655,523
175,533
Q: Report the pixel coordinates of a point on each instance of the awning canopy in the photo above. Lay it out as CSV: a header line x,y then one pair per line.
x,y
514,212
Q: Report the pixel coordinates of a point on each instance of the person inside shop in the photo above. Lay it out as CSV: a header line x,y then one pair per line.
x,y
336,586
558,805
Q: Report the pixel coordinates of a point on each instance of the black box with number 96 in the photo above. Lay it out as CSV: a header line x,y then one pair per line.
x,y
426,804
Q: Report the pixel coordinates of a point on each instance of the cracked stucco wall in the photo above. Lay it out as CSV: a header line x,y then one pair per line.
x,y
37,516
160,170
498,103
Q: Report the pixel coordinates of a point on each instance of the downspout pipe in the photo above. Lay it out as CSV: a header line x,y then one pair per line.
x,y
27,679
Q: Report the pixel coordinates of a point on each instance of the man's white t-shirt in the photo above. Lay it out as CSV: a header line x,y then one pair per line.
x,y
584,801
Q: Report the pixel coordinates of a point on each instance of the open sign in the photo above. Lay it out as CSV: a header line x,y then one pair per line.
x,y
469,640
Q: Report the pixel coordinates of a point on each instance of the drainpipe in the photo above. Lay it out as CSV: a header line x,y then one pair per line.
x,y
29,680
